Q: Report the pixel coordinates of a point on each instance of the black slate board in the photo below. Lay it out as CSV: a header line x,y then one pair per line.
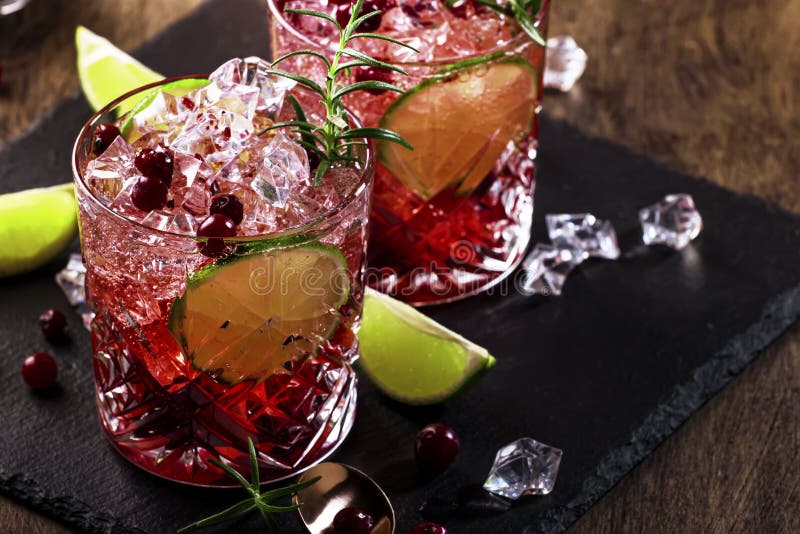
x,y
605,372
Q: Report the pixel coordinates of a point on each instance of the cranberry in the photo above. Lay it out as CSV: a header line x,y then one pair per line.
x,y
149,193
373,23
368,74
436,447
103,136
429,528
228,205
352,521
155,164
217,225
52,323
39,370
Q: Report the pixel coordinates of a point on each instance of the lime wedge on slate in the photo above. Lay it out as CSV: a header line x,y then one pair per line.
x,y
459,123
412,358
35,226
243,317
106,72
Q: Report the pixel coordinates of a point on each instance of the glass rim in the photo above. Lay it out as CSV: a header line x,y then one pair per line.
x,y
80,180
517,41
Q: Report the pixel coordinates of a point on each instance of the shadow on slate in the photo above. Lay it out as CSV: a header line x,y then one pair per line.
x,y
605,372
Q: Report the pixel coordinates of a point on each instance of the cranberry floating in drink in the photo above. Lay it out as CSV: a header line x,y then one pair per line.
x,y
453,216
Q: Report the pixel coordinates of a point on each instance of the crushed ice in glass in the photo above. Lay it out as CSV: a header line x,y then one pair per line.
x,y
673,221
545,269
71,281
584,234
216,134
524,467
564,63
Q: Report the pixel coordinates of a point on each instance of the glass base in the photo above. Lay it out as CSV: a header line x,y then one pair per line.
x,y
173,429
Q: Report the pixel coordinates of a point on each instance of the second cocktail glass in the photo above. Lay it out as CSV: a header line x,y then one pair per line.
x,y
453,216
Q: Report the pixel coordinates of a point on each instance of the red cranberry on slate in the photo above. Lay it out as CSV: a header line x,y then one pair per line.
x,y
39,370
429,528
52,323
352,521
436,447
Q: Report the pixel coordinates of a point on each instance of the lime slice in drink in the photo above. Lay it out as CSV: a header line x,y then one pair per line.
x,y
35,225
106,72
459,123
242,318
411,357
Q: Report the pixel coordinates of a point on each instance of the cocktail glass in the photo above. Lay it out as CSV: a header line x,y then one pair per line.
x,y
194,353
452,217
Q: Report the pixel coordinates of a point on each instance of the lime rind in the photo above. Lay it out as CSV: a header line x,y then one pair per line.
x,y
413,359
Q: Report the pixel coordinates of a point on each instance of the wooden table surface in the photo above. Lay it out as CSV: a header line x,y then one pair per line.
x,y
711,87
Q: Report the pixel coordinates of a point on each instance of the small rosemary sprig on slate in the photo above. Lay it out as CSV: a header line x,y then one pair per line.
x,y
524,11
334,140
257,500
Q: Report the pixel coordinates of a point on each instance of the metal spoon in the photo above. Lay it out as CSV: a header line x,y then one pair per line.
x,y
342,486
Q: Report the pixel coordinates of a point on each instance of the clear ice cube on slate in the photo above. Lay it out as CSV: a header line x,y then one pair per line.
x,y
583,233
546,268
673,221
564,63
524,467
71,281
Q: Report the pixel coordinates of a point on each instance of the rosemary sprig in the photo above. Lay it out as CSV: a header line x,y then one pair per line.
x,y
257,500
524,11
334,140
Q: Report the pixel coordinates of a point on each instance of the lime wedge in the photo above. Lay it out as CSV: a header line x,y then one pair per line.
x,y
242,318
106,72
411,357
35,225
459,124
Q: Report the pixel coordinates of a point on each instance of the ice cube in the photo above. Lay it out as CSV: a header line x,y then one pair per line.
x,y
524,467
252,72
673,221
282,168
71,279
545,269
584,234
564,63
216,134
106,174
161,117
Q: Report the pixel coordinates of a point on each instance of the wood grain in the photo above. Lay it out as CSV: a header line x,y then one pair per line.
x,y
709,86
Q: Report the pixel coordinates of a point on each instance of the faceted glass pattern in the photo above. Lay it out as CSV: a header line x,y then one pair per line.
x,y
524,467
673,221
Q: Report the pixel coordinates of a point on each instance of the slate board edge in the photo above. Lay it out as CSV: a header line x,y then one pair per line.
x,y
779,314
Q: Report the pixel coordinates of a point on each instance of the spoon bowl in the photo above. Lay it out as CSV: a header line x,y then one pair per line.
x,y
341,486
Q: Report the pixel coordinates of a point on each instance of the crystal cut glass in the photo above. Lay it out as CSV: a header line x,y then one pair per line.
x,y
673,221
546,269
584,234
564,63
524,467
